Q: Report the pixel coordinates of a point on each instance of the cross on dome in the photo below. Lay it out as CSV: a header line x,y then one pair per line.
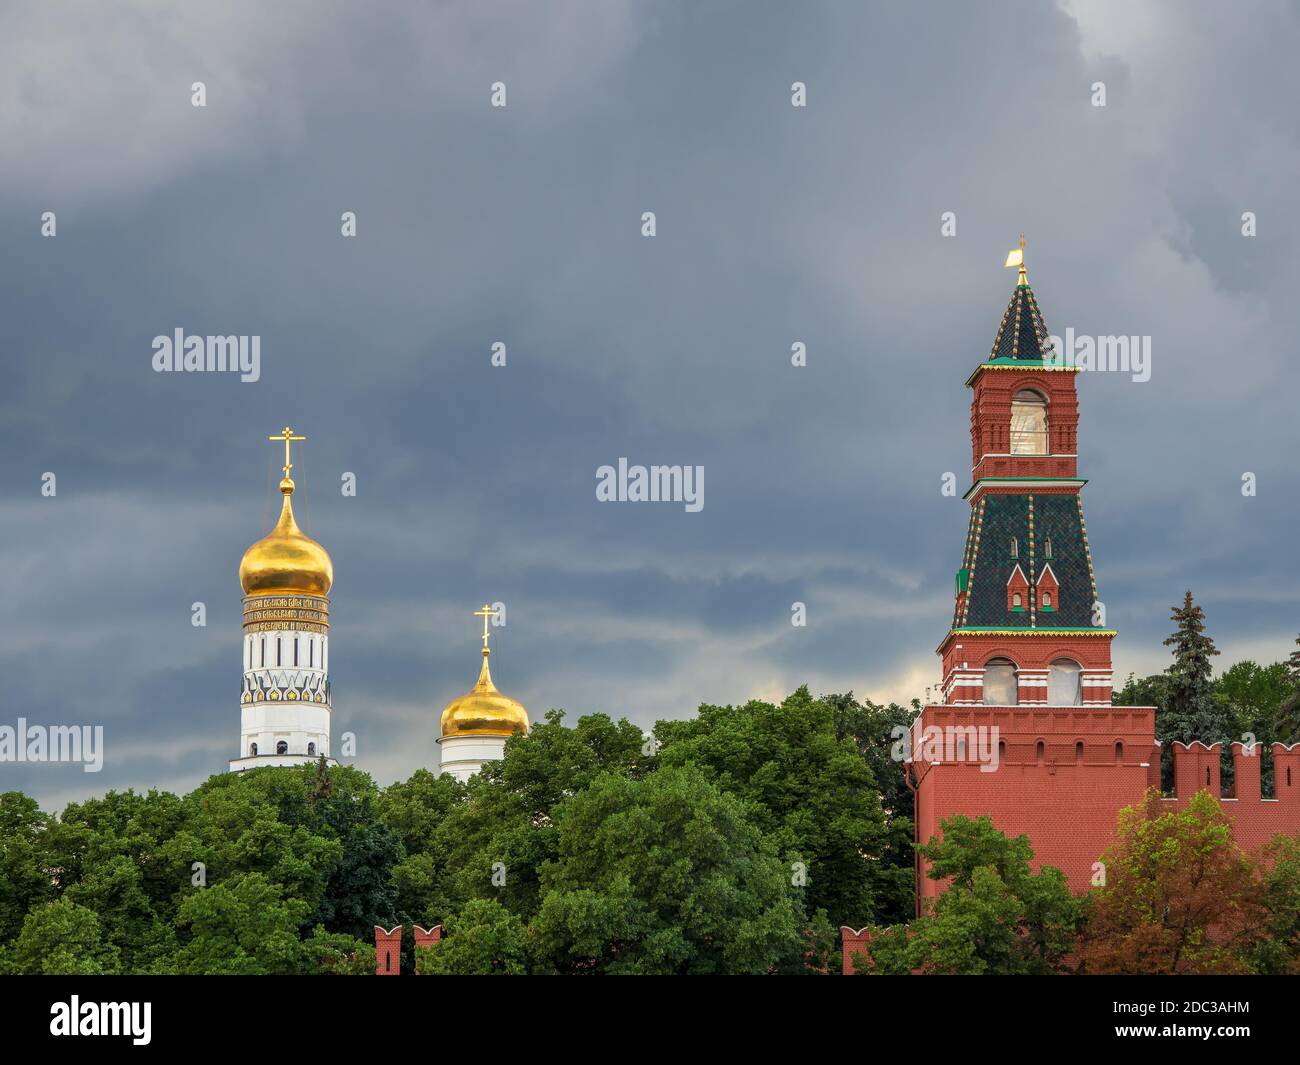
x,y
485,613
286,434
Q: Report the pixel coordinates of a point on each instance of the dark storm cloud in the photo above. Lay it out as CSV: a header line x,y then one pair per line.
x,y
522,225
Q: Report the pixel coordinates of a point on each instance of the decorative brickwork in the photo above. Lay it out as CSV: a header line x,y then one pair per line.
x,y
1027,664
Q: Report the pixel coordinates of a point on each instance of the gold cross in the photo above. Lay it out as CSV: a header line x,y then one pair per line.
x,y
286,434
485,613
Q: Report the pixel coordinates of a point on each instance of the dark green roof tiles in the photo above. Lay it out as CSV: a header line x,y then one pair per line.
x,y
1030,521
1022,336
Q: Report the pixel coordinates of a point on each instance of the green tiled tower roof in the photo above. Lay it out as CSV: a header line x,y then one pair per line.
x,y
1022,336
1030,520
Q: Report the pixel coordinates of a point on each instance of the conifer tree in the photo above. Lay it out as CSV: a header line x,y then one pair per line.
x,y
1190,711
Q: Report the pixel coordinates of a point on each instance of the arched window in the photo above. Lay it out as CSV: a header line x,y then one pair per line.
x,y
282,747
1015,548
1028,423
1000,686
1047,548
1002,750
311,748
252,750
1040,752
1119,751
1078,753
1063,687
1047,600
1016,601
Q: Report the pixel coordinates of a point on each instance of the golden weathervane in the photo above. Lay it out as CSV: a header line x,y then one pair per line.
x,y
1016,257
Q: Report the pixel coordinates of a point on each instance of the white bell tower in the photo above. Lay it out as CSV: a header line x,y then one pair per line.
x,y
285,701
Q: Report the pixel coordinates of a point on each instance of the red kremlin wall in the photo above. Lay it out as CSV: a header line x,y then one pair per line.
x,y
1067,801
388,947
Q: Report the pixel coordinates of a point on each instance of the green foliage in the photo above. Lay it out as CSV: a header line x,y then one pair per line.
x,y
484,939
1251,696
242,926
414,810
1190,711
665,875
801,770
1274,949
996,917
1143,691
1180,895
63,938
737,841
24,880
508,818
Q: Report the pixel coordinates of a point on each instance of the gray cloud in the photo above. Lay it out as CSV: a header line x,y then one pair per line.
x,y
477,225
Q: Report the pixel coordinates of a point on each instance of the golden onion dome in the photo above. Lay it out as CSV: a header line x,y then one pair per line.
x,y
288,561
484,711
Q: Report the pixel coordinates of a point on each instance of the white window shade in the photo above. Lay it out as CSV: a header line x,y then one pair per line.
x,y
1028,424
1000,685
1063,683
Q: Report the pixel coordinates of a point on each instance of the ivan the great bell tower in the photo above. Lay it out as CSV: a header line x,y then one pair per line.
x,y
1026,660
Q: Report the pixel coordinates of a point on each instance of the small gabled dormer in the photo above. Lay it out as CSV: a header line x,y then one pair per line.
x,y
1017,590
1048,590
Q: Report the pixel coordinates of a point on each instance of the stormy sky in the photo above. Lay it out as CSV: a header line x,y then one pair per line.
x,y
523,225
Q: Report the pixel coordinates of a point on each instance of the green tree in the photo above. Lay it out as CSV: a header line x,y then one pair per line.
x,y
484,939
1190,711
114,889
61,937
877,732
337,954
1275,940
414,810
808,788
243,926
316,831
1251,695
996,917
1180,895
665,874
1143,691
25,879
507,821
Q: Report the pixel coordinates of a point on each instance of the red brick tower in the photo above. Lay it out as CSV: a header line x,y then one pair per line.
x,y
1024,730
